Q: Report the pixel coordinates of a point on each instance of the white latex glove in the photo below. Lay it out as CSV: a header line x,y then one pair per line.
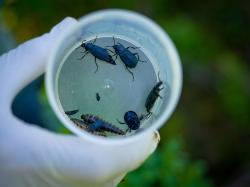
x,y
32,156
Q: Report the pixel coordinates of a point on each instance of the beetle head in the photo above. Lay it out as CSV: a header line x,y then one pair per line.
x,y
83,43
83,116
87,118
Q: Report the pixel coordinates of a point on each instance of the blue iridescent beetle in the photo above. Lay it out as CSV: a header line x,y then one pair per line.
x,y
81,124
98,52
129,59
131,120
97,124
71,112
153,95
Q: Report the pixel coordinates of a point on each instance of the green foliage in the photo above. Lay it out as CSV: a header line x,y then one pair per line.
x,y
191,40
234,91
169,166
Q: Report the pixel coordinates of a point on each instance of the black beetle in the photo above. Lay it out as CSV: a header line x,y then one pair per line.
x,y
97,96
97,52
72,112
153,95
129,59
83,125
131,120
96,124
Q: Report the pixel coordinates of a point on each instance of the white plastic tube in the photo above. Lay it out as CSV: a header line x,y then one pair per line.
x,y
142,31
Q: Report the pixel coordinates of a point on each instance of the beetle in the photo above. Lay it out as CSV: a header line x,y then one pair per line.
x,y
97,96
71,112
131,120
153,95
95,124
97,51
83,125
129,59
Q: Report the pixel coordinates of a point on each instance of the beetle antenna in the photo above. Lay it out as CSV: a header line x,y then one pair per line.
x,y
120,121
81,44
114,40
159,76
94,39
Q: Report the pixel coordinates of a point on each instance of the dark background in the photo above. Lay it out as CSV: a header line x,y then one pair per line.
x,y
206,141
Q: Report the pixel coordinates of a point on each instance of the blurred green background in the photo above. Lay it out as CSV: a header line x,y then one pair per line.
x,y
206,141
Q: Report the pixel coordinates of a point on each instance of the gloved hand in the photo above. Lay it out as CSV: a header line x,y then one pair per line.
x,y
32,156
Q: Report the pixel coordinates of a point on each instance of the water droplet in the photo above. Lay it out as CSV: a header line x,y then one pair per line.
x,y
108,84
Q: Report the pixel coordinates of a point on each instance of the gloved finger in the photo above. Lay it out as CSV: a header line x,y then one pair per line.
x,y
99,164
69,160
25,63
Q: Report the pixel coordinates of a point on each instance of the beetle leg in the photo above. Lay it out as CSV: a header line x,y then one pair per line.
x,y
78,47
161,88
148,115
81,44
127,130
86,52
114,40
138,58
158,74
110,51
132,47
71,112
115,56
96,66
120,121
94,40
109,46
142,117
161,81
130,73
